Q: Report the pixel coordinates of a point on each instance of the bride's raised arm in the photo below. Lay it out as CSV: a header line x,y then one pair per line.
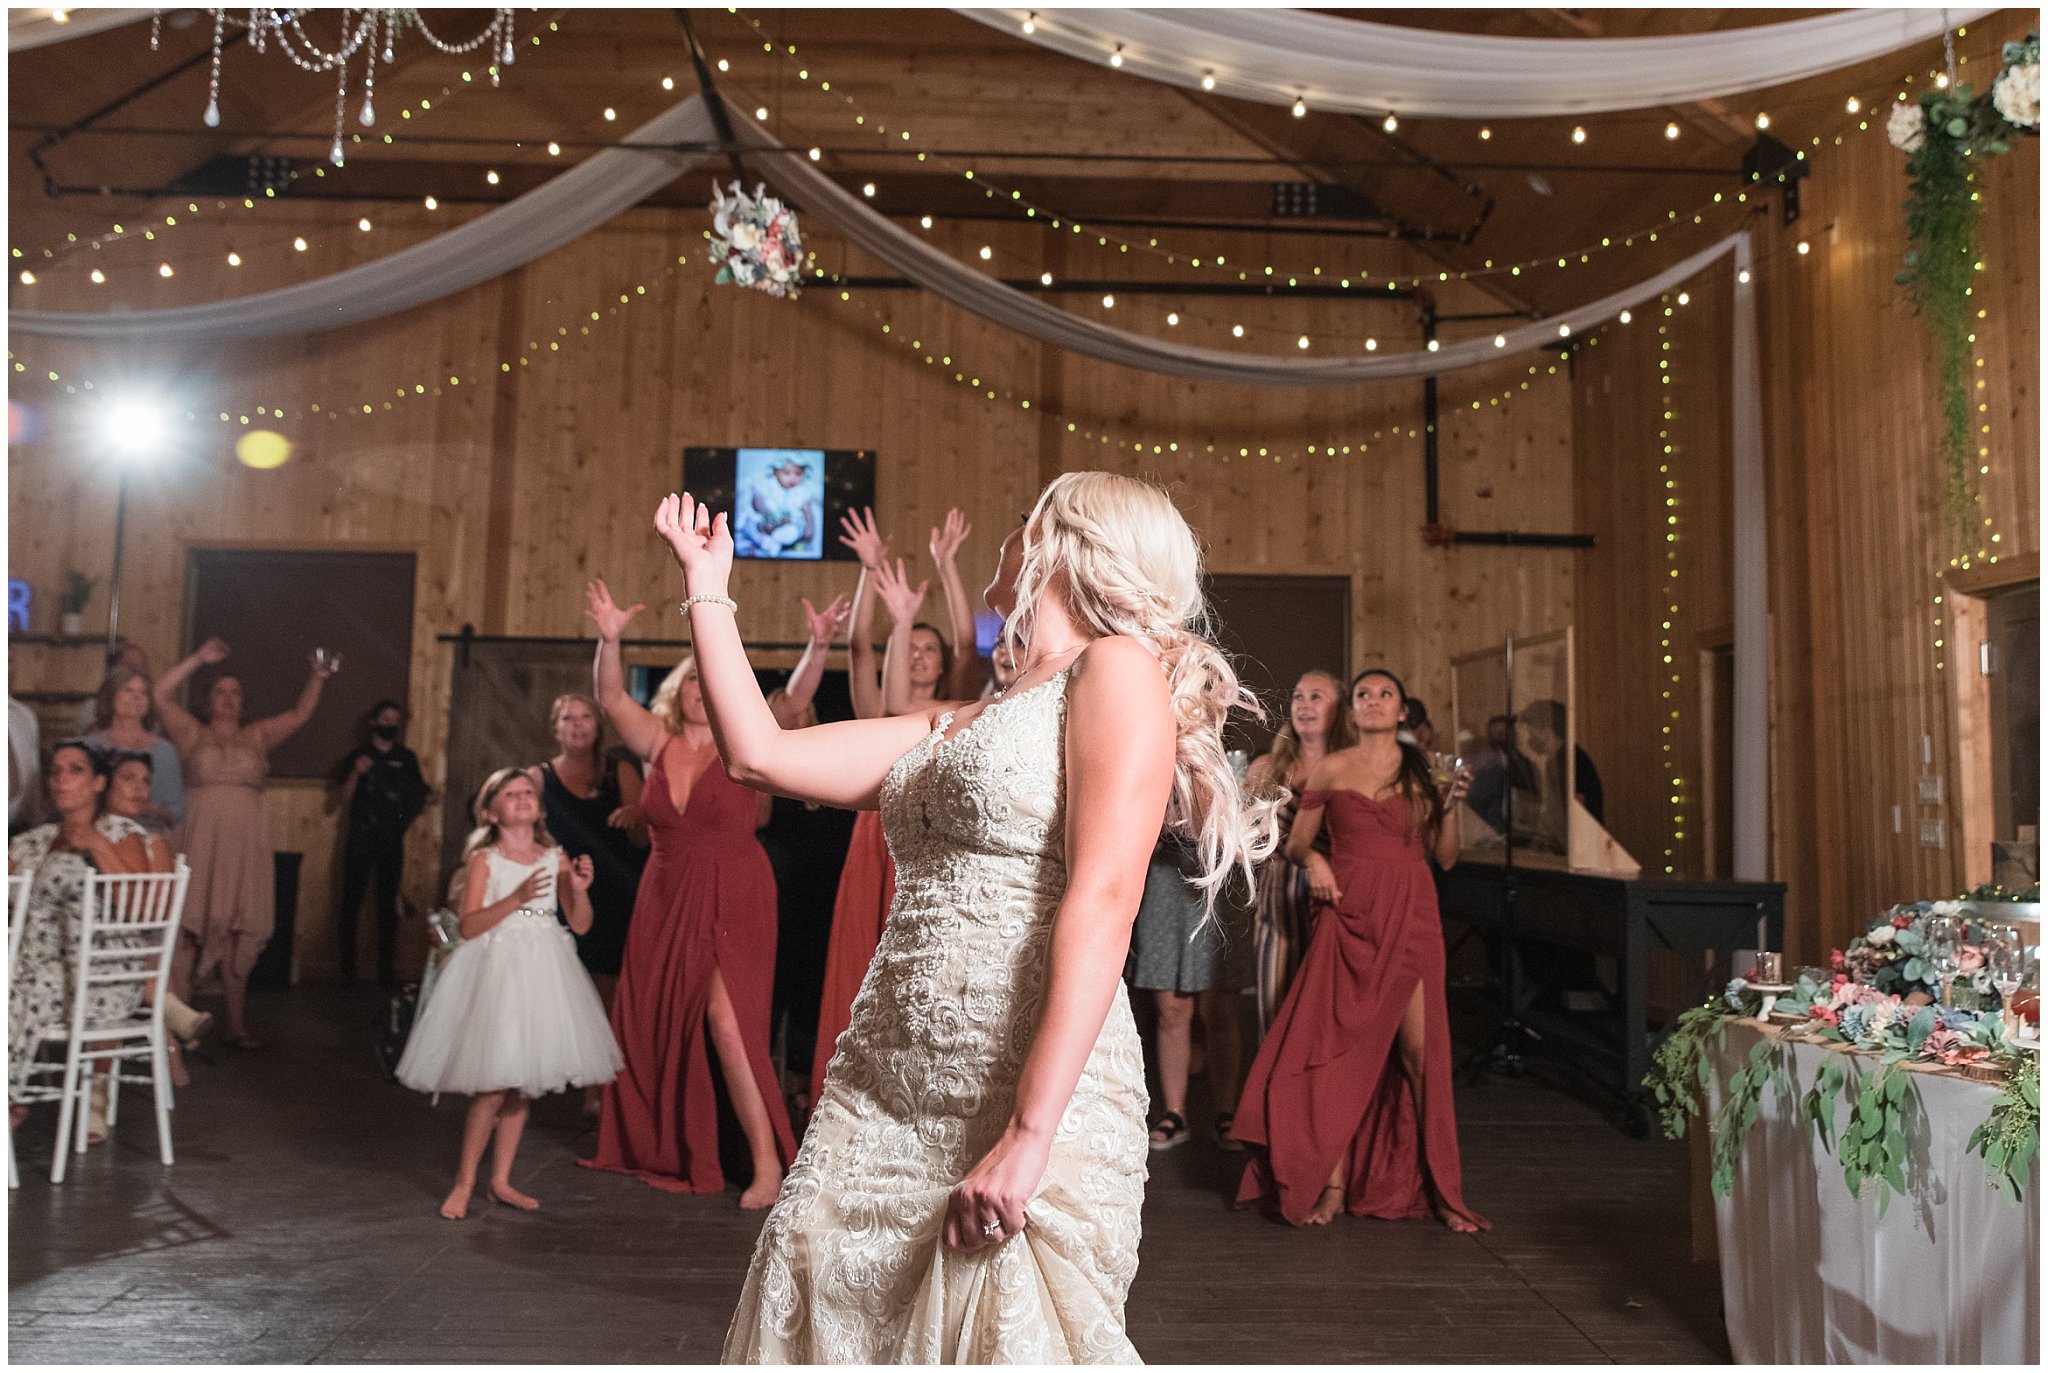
x,y
840,764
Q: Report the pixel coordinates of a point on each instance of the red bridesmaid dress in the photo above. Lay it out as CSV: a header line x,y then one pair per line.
x,y
1327,1082
706,904
867,884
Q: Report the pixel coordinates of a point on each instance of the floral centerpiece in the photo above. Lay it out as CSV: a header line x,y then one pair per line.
x,y
1946,135
755,242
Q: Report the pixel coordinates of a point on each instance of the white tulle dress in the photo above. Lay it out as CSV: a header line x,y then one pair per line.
x,y
512,1007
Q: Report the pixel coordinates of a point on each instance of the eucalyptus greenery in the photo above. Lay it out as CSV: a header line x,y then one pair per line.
x,y
2010,1137
1739,1108
1682,1068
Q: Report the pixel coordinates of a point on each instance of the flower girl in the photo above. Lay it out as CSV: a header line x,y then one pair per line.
x,y
513,1015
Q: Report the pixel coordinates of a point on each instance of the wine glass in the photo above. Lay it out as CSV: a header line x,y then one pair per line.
x,y
1942,945
2005,956
1443,769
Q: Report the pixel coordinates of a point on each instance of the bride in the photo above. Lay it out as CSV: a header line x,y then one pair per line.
x,y
969,1186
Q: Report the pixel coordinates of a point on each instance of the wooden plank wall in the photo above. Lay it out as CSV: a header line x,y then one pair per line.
x,y
1858,541
513,486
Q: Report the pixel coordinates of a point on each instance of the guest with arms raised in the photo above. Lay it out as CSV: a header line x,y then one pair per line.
x,y
230,904
867,879
806,846
124,721
969,1186
1348,1103
1317,725
591,799
699,967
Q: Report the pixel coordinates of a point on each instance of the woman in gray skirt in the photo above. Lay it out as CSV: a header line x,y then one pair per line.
x,y
1192,965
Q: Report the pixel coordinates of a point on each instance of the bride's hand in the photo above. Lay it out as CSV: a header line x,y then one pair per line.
x,y
997,1188
702,545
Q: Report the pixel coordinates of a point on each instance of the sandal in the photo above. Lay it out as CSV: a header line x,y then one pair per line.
x,y
1171,1132
1224,1120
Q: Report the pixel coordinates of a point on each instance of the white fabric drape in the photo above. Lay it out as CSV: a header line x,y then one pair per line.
x,y
608,182
1277,56
27,28
566,207
1950,1274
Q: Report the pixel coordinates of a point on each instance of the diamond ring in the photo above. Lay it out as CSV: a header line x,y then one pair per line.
x,y
993,1228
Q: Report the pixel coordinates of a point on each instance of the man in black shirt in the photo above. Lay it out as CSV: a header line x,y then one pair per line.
x,y
380,785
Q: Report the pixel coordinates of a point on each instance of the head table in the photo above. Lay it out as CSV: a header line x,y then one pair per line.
x,y
1948,1273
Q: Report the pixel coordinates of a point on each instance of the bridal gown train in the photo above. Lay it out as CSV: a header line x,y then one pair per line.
x,y
851,1266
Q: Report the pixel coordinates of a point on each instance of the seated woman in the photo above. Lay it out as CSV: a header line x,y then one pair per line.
x,y
129,795
60,856
1335,1128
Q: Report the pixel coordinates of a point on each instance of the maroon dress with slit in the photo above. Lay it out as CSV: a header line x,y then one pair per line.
x,y
867,885
1327,1082
706,903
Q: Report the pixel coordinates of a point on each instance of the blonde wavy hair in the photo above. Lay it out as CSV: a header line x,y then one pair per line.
x,y
1127,563
667,703
486,832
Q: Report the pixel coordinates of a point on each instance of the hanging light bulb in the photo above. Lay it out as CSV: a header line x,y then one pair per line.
x,y
164,270
610,114
1763,121
817,154
432,203
867,188
1173,317
987,252
1372,345
1500,340
28,278
1300,107
298,245
1031,23
364,225
1109,302
1116,59
925,222
1434,345
1804,247
491,177
98,277
1301,342
1564,331
554,148
1853,105
1045,278
1237,331
1484,134
1626,317
1208,80
1671,131
1941,81
1578,133
761,113
1389,124
1684,298
1743,276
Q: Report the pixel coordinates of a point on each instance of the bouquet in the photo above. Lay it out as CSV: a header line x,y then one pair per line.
x,y
755,242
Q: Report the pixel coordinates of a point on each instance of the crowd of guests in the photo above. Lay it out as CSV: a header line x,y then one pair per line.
x,y
639,925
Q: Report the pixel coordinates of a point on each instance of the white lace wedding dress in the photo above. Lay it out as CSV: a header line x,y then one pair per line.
x,y
851,1266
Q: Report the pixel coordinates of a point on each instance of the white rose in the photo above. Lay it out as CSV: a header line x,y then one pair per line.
x,y
1946,908
745,237
2017,94
1907,127
1881,936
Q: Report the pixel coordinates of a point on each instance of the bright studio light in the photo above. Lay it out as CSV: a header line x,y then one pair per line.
x,y
135,427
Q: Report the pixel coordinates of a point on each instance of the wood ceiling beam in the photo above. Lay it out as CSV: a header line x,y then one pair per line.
x,y
1712,117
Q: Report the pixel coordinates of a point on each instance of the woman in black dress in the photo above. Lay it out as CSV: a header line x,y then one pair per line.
x,y
591,800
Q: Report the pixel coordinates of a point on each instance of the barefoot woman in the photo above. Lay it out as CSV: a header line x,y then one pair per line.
x,y
699,970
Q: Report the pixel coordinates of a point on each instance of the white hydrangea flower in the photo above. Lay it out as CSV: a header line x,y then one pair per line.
x,y
2017,94
1907,127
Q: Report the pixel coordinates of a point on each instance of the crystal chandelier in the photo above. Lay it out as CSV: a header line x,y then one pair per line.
x,y
372,34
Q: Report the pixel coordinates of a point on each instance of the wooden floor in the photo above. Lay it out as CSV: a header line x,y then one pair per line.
x,y
298,1225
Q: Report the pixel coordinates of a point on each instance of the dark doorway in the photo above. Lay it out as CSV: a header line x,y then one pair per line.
x,y
1277,628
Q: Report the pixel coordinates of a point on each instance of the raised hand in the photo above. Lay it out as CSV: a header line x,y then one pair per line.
x,y
828,624
893,586
862,537
1461,782
214,650
604,612
702,545
582,872
946,539
323,663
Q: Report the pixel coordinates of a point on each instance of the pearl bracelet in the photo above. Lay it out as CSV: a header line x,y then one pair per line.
x,y
728,602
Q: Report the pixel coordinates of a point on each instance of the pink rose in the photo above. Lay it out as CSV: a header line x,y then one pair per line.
x,y
1970,958
1900,922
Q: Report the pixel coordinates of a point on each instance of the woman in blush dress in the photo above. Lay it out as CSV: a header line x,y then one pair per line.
x,y
1317,724
969,1187
699,970
230,902
1348,1104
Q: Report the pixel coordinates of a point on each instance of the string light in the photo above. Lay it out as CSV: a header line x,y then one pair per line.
x,y
234,260
610,114
299,245
1389,124
28,278
1668,469
98,277
1300,107
1208,81
432,203
1804,247
554,148
1116,59
363,225
1484,133
1671,131
1578,133
1030,23
491,177
867,188
1853,105
1763,121
163,269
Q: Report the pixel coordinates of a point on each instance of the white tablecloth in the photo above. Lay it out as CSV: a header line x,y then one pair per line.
x,y
1811,1274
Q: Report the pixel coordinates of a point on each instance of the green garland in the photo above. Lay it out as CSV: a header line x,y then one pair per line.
x,y
1873,1146
2011,1136
1739,1109
1961,130
1682,1068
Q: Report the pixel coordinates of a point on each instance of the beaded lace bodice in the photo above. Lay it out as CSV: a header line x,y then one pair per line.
x,y
851,1266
